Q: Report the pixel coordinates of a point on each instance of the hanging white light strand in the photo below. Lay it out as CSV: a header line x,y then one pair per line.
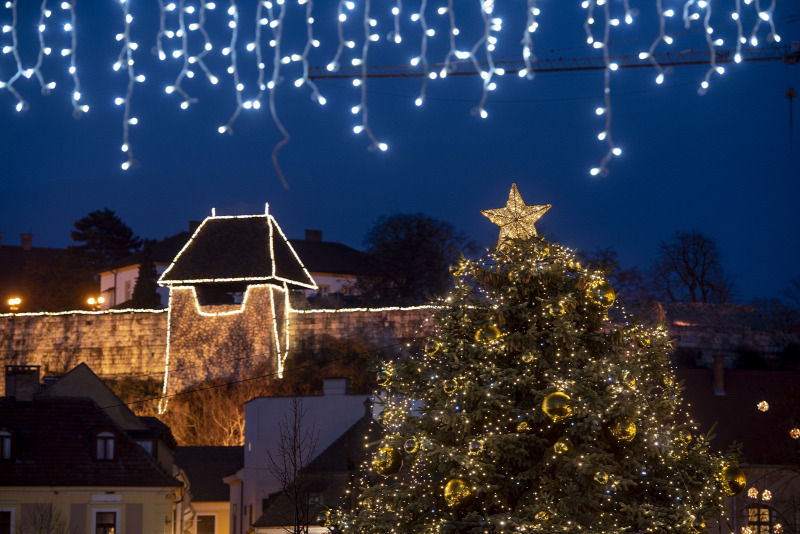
x,y
527,41
609,67
194,53
395,35
311,42
453,31
277,32
125,58
422,58
362,108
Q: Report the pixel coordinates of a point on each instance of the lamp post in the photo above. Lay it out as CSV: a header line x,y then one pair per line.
x,y
14,303
96,303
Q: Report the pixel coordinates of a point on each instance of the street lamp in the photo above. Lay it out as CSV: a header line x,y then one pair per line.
x,y
13,303
96,303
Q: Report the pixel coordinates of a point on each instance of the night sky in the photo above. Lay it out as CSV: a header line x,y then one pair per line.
x,y
726,164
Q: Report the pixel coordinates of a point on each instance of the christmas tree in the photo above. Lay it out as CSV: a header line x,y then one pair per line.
x,y
530,410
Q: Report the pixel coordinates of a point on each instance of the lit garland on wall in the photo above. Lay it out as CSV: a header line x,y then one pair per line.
x,y
184,38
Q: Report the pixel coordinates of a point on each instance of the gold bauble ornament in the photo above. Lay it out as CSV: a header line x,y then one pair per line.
x,y
527,357
573,265
457,493
475,447
523,427
324,518
698,525
558,310
684,437
487,334
623,430
450,386
411,445
643,340
561,447
601,477
732,480
541,515
432,347
514,276
457,269
627,379
384,377
387,461
557,406
603,294
542,249
368,503
667,381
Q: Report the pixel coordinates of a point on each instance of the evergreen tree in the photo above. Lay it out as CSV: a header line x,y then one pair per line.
x,y
145,291
105,239
529,410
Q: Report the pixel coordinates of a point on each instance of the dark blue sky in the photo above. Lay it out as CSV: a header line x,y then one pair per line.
x,y
721,163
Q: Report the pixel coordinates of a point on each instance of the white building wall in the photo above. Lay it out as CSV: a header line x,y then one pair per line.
x,y
122,281
332,283
330,414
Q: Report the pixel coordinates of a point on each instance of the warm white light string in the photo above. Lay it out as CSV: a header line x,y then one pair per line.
x,y
182,20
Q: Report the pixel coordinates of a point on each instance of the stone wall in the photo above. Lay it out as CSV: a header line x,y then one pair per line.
x,y
131,343
210,340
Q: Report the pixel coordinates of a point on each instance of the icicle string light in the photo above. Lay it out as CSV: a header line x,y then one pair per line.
x,y
184,36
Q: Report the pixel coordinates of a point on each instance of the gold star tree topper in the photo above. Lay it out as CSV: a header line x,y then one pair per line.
x,y
516,219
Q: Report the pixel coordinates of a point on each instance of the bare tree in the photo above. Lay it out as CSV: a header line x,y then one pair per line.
x,y
44,518
689,269
296,448
411,254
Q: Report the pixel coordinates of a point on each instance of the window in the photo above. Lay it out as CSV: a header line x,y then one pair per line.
x,y
128,289
104,445
6,521
758,519
206,524
5,445
105,522
146,444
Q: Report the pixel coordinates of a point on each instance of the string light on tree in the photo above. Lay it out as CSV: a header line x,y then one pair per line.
x,y
561,423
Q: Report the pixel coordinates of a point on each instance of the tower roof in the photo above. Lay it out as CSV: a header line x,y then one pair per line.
x,y
250,249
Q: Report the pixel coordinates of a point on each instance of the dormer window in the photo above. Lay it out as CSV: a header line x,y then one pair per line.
x,y
105,445
6,443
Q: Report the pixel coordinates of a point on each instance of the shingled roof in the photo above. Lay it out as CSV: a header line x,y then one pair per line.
x,y
250,249
53,446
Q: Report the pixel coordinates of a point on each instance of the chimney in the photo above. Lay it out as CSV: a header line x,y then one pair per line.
x,y
22,381
719,374
27,241
335,386
313,235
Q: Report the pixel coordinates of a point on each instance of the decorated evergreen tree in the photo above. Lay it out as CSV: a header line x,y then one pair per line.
x,y
529,410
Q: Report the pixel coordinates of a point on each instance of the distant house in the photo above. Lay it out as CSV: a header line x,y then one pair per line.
x,y
335,267
66,459
117,282
205,468
761,411
13,260
255,493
